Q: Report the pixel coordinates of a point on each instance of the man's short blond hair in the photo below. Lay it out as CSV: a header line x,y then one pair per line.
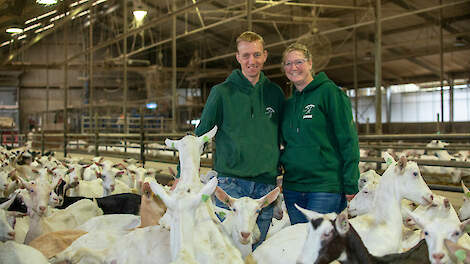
x,y
250,36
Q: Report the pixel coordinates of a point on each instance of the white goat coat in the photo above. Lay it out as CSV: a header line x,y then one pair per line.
x,y
13,252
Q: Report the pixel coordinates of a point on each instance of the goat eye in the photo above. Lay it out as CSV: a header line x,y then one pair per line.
x,y
426,233
456,233
233,209
366,192
415,174
31,190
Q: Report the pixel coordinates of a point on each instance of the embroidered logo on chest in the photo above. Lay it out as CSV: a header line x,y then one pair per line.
x,y
269,111
308,111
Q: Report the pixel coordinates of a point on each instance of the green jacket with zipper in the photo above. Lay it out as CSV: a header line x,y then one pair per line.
x,y
248,121
321,151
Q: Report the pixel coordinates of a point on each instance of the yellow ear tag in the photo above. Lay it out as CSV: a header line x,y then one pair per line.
x,y
389,161
205,138
204,197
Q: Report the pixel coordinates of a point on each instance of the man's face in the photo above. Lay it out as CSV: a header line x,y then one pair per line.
x,y
251,57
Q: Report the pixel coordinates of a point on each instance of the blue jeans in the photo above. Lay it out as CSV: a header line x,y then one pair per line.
x,y
237,188
319,202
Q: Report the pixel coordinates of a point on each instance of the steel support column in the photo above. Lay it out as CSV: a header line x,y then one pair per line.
x,y
441,56
91,95
173,71
249,7
124,63
356,88
66,87
378,67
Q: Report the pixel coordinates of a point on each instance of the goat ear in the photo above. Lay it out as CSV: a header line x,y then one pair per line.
x,y
224,197
158,190
402,163
465,225
208,189
342,223
458,254
465,191
388,158
415,218
208,136
171,143
7,204
269,198
308,213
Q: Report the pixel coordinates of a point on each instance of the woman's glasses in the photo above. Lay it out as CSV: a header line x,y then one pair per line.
x,y
297,63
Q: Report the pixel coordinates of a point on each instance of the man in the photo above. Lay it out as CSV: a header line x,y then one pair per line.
x,y
246,108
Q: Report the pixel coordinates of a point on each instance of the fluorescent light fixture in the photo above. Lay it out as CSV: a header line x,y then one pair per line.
x,y
22,37
32,27
46,2
14,29
44,28
139,14
41,16
6,43
151,105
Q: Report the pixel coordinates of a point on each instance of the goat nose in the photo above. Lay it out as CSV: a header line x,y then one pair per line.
x,y
12,234
438,256
42,208
245,235
432,197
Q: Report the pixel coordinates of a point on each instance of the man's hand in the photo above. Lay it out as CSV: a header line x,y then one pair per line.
x,y
349,197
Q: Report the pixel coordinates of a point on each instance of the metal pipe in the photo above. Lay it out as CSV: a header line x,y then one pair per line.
x,y
148,25
459,136
441,57
437,187
249,6
207,27
356,88
316,5
337,29
91,95
451,105
66,88
378,67
124,63
173,73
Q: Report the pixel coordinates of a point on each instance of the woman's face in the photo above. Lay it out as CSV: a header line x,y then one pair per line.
x,y
297,68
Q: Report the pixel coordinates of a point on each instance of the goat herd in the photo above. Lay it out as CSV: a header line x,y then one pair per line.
x,y
103,212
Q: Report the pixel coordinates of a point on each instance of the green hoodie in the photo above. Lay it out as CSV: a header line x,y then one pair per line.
x,y
248,121
321,151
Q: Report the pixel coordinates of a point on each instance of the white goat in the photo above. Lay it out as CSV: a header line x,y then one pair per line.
x,y
401,180
464,211
240,224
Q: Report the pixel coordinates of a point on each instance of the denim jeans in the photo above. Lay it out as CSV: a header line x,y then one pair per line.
x,y
319,202
237,188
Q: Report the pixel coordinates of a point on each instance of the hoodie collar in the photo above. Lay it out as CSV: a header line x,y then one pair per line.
x,y
242,83
318,80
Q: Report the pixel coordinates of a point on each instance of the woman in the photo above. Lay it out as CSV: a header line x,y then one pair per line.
x,y
321,150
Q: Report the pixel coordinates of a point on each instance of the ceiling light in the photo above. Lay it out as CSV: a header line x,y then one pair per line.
x,y
46,2
139,14
14,30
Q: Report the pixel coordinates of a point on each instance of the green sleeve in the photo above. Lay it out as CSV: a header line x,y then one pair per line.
x,y
340,114
212,113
